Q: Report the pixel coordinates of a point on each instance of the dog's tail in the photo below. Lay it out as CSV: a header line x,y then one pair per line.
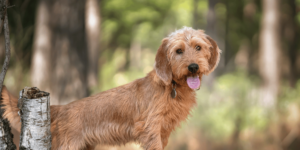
x,y
10,106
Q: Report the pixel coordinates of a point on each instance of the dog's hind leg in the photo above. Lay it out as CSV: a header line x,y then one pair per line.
x,y
10,105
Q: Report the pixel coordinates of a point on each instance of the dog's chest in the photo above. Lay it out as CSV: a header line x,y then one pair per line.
x,y
175,112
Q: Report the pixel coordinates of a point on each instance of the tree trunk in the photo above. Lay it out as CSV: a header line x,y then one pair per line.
x,y
60,57
92,21
269,49
196,17
293,41
35,118
6,138
41,60
211,31
211,19
227,45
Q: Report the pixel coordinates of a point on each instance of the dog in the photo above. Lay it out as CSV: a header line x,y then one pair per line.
x,y
146,110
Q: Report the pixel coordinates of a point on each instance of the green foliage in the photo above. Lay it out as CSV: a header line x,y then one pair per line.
x,y
298,18
231,104
289,95
126,16
21,22
147,21
112,75
141,21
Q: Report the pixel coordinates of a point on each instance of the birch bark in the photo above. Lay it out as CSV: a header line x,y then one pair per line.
x,y
35,117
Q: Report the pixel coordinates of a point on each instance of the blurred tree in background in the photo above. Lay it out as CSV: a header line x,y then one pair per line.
x,y
73,49
60,55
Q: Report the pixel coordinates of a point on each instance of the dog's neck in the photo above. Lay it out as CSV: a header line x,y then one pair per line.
x,y
174,84
173,93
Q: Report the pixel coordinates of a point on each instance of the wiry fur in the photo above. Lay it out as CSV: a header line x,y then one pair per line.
x,y
142,111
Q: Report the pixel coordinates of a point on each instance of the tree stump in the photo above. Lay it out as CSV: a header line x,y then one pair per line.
x,y
35,117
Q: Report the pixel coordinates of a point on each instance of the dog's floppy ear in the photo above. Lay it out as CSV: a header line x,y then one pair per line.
x,y
214,55
162,66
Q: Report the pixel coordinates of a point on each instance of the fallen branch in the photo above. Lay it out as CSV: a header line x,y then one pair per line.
x,y
2,13
6,137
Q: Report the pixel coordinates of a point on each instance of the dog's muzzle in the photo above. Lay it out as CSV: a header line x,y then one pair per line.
x,y
193,68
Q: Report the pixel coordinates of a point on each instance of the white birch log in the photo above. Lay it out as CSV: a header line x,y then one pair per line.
x,y
35,117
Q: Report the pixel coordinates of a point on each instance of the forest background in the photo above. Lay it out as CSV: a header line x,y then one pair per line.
x,y
74,49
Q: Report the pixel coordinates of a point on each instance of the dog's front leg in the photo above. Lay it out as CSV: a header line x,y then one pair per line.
x,y
90,147
153,142
165,137
151,139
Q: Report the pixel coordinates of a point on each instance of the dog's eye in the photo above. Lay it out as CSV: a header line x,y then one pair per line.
x,y
179,51
198,48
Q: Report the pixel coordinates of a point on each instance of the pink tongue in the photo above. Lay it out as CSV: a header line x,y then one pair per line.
x,y
193,82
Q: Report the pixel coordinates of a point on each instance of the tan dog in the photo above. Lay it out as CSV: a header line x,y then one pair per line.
x,y
146,110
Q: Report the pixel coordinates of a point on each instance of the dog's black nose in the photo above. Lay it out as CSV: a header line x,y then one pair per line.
x,y
193,68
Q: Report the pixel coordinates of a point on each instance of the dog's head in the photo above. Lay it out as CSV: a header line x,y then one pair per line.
x,y
185,55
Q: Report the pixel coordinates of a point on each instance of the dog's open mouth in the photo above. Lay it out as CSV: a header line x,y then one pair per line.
x,y
193,82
